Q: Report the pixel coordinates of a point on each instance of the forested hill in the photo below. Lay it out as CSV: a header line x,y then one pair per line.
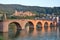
x,y
10,8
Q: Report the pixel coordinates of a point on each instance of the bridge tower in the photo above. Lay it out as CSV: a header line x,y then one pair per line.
x,y
5,17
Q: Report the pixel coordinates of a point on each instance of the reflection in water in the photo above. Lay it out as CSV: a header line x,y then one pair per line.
x,y
17,33
39,34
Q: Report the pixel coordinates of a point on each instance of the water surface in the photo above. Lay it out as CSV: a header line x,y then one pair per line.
x,y
47,34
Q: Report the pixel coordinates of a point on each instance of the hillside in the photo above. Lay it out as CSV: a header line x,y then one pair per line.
x,y
10,8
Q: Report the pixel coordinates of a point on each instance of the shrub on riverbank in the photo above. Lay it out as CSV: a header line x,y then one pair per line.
x,y
1,38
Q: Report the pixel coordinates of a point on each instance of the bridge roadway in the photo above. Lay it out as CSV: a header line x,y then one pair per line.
x,y
21,23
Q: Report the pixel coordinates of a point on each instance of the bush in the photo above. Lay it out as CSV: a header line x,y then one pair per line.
x,y
1,38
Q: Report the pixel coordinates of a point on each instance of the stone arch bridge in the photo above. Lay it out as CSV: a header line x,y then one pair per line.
x,y
22,22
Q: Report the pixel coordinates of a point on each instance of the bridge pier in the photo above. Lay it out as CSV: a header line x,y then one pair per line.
x,y
3,27
34,26
43,27
48,26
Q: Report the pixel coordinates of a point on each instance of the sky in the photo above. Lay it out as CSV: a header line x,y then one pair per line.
x,y
42,3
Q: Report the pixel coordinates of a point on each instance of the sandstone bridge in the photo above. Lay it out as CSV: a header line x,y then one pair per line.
x,y
21,23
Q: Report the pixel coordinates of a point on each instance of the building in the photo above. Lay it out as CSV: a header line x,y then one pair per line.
x,y
21,13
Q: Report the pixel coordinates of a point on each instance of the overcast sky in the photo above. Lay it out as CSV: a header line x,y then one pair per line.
x,y
43,3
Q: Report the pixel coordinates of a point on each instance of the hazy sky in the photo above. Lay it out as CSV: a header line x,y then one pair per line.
x,y
44,3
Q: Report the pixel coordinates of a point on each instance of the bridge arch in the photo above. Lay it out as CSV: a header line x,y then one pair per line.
x,y
51,25
14,26
29,25
39,25
46,25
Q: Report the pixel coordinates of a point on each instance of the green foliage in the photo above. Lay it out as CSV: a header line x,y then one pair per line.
x,y
10,8
21,17
1,38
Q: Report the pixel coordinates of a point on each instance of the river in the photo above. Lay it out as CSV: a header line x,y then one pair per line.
x,y
39,34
